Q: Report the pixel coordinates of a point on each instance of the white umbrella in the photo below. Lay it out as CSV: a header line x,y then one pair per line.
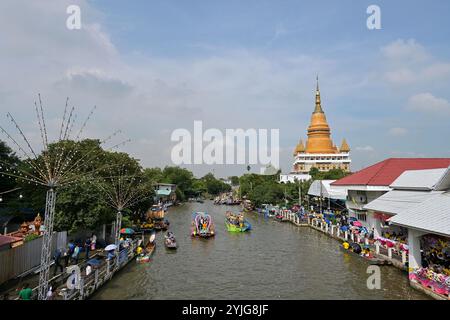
x,y
110,247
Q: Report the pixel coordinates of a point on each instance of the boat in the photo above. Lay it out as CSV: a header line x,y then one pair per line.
x,y
280,217
155,218
160,224
236,223
148,251
247,206
355,248
170,241
202,225
146,227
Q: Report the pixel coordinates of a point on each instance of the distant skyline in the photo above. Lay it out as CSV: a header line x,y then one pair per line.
x,y
154,66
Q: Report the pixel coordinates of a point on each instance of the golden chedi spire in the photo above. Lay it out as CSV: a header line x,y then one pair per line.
x,y
318,108
319,140
300,148
344,146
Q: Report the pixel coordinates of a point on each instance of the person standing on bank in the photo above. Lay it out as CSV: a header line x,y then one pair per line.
x,y
26,292
87,247
58,254
76,253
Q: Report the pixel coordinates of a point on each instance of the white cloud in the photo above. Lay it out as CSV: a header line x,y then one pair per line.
x,y
397,132
407,62
428,103
405,50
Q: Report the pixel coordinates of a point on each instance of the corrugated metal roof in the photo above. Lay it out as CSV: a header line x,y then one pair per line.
x,y
418,179
444,182
395,201
432,215
385,172
323,188
4,240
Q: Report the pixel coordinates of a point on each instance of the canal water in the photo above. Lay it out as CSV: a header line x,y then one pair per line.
x,y
273,261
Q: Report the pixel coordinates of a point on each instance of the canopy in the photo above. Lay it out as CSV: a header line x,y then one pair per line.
x,y
322,188
126,231
110,247
94,262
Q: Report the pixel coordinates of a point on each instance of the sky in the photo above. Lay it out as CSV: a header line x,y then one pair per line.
x,y
151,67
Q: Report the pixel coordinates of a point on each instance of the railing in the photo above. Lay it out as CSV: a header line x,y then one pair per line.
x,y
397,256
88,284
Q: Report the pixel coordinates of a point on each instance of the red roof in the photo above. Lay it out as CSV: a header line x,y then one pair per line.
x,y
385,172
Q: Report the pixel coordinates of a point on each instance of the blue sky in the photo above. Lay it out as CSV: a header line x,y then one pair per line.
x,y
154,66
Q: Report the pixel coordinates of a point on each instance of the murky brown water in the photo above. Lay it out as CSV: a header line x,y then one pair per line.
x,y
273,261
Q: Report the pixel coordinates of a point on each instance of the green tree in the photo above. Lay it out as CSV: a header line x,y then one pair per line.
x,y
234,180
8,159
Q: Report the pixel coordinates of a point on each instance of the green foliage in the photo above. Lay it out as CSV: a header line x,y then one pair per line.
x,y
215,186
30,237
10,160
261,188
333,174
234,180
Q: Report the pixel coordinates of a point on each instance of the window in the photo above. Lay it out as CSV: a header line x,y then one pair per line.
x,y
362,217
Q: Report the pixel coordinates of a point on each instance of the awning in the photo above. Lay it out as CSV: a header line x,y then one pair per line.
x,y
322,188
163,192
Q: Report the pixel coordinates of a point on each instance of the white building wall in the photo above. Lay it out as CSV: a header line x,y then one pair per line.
x,y
293,177
356,200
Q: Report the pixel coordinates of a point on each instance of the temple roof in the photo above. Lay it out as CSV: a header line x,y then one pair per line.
x,y
300,148
344,146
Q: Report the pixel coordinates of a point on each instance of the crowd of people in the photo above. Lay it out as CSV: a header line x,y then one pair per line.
x,y
71,254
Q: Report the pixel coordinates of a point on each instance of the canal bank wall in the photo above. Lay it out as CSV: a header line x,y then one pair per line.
x,y
396,259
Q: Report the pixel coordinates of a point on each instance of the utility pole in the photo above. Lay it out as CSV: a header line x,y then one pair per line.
x,y
300,193
320,197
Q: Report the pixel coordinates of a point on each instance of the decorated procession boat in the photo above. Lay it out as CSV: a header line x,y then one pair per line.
x,y
202,225
156,214
236,222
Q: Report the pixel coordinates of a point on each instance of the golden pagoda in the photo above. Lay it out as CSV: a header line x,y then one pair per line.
x,y
319,134
320,151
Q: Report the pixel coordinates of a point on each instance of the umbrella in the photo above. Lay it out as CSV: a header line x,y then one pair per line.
x,y
110,247
356,247
126,231
94,262
357,224
352,219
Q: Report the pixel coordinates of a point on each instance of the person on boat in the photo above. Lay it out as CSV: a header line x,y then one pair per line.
x,y
139,250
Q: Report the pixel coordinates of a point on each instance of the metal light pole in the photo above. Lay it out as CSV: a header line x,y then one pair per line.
x,y
122,191
46,253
